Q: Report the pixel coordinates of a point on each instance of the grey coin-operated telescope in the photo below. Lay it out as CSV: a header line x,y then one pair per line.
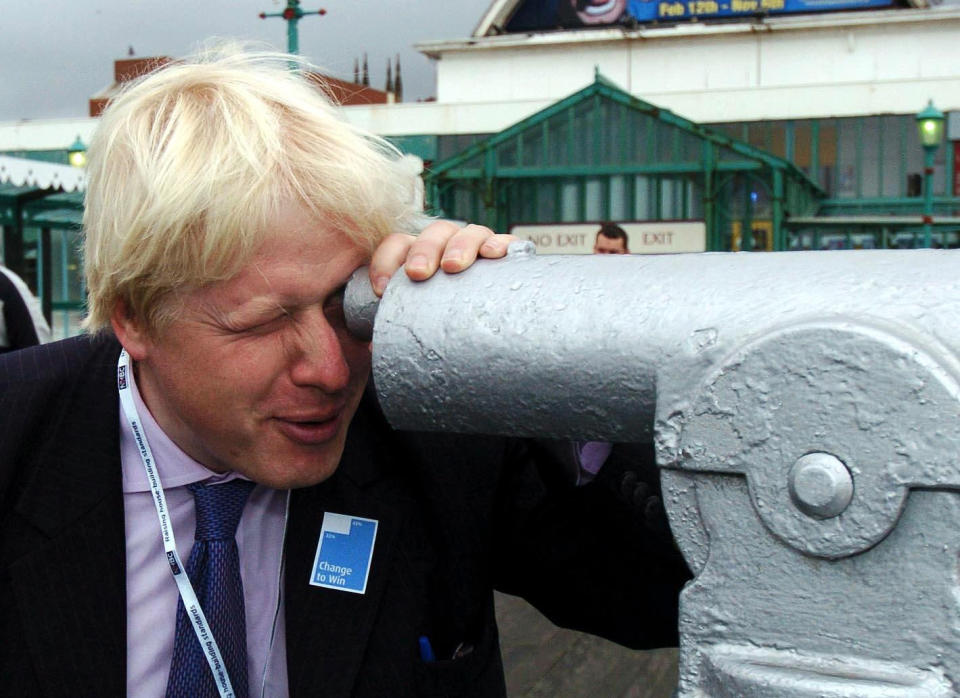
x,y
805,408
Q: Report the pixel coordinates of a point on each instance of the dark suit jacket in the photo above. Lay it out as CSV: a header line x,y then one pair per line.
x,y
458,516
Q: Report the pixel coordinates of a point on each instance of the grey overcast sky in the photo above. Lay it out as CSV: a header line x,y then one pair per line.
x,y
55,54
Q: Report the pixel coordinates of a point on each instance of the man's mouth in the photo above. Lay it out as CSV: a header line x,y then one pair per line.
x,y
310,430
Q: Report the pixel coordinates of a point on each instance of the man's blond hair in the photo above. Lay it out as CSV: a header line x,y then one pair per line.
x,y
190,164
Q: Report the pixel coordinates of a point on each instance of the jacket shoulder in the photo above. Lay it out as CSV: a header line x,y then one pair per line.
x,y
54,363
42,386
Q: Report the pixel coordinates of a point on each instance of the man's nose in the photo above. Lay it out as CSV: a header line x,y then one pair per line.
x,y
319,360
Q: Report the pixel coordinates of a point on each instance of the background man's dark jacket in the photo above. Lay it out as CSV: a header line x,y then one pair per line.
x,y
458,516
16,318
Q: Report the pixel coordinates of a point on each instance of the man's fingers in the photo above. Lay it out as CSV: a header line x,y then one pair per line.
x,y
496,246
427,250
467,243
445,245
441,245
387,258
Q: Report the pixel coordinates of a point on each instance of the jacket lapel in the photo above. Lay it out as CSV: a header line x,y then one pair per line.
x,y
70,589
328,630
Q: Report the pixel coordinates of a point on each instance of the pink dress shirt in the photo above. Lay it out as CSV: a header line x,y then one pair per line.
x,y
151,592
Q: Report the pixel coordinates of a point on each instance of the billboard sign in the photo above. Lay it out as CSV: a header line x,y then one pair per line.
x,y
553,14
643,237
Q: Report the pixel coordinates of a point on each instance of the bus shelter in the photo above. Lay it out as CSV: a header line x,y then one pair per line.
x,y
41,208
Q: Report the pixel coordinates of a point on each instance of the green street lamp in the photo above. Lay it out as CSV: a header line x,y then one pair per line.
x,y
77,153
291,14
930,129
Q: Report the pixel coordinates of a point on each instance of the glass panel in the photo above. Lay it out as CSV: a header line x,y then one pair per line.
x,y
476,162
756,134
695,200
546,193
28,272
463,204
872,148
583,136
734,196
827,157
66,323
610,133
594,200
667,199
641,198
847,157
66,273
448,146
775,138
724,153
665,144
516,202
643,132
569,201
507,154
731,130
533,147
915,154
690,150
762,206
894,181
618,198
802,144
557,140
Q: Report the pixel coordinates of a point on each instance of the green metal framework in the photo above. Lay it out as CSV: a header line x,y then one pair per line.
x,y
871,169
41,229
603,154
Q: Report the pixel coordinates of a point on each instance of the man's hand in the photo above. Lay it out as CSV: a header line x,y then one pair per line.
x,y
442,244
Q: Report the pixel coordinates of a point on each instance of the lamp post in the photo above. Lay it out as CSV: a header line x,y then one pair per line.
x,y
930,129
77,153
291,15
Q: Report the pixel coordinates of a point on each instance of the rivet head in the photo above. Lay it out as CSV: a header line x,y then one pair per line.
x,y
521,248
820,485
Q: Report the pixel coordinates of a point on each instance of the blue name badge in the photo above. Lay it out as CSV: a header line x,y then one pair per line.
x,y
343,553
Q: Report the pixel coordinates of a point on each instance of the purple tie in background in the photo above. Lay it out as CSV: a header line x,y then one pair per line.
x,y
214,571
593,454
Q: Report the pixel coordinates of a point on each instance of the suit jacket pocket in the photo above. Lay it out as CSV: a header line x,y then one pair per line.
x,y
477,673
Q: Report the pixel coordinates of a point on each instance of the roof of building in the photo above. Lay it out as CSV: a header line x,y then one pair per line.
x,y
22,172
40,193
124,70
127,69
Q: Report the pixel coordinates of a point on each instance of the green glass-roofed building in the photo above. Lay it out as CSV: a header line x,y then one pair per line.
x,y
602,154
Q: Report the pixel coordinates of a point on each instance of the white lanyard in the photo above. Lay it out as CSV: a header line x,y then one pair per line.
x,y
190,602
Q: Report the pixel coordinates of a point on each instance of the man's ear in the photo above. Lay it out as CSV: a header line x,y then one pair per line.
x,y
130,331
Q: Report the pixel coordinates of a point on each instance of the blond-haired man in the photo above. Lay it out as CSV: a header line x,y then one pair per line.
x,y
227,207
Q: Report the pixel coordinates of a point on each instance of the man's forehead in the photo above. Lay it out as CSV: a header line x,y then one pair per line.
x,y
293,262
609,241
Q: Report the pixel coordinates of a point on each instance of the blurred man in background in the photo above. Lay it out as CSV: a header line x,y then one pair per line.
x,y
22,323
611,239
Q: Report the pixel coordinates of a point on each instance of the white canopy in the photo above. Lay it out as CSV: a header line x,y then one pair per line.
x,y
22,172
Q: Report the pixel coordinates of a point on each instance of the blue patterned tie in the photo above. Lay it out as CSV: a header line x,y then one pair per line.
x,y
214,571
